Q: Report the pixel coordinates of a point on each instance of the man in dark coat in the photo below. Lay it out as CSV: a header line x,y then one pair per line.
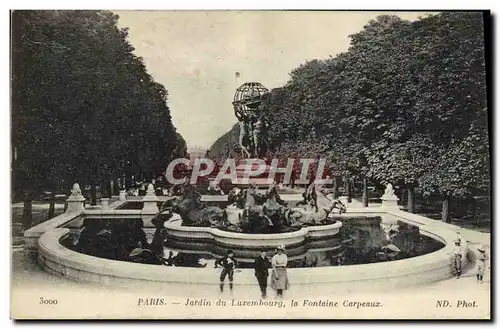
x,y
262,266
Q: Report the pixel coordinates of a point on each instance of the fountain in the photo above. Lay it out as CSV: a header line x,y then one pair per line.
x,y
190,229
256,217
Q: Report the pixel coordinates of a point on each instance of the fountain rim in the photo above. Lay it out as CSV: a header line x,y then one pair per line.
x,y
169,225
57,259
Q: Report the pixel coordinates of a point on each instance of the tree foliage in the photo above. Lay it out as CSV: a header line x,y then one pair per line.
x,y
405,104
84,107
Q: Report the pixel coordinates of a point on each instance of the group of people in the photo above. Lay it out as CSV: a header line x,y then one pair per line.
x,y
458,260
262,265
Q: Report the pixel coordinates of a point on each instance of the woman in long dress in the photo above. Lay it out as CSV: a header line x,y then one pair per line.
x,y
279,277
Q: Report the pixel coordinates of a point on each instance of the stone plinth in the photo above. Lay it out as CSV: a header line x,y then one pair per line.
x,y
122,196
76,200
150,201
104,203
390,203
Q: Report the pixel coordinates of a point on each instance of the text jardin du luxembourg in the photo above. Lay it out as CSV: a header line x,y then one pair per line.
x,y
280,303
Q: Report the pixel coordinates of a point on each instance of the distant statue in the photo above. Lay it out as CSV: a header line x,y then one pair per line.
x,y
389,195
76,191
250,114
259,137
151,190
389,191
246,140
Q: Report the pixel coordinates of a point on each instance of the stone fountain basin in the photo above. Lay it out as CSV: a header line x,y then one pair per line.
x,y
57,259
174,229
248,246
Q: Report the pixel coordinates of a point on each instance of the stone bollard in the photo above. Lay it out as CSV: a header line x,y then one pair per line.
x,y
389,199
150,201
104,203
76,200
123,195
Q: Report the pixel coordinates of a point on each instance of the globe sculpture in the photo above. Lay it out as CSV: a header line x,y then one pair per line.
x,y
251,116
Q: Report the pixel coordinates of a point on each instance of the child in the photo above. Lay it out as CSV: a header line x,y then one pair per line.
x,y
481,263
457,259
228,264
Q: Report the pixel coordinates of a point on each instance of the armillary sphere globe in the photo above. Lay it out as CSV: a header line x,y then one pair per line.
x,y
248,97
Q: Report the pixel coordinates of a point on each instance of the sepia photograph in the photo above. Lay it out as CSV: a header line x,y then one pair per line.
x,y
250,165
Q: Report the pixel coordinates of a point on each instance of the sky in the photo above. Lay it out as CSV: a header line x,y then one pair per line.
x,y
196,54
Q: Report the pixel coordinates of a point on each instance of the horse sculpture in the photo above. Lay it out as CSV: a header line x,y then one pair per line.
x,y
194,212
263,213
315,208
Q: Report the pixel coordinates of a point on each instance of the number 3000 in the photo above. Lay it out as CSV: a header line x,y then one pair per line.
x,y
48,301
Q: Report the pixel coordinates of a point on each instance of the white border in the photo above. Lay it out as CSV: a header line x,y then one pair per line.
x,y
178,4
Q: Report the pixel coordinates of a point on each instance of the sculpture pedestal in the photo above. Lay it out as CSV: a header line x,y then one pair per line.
x,y
150,202
105,203
75,204
150,205
390,202
122,196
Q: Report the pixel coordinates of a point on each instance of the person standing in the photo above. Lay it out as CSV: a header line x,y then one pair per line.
x,y
481,263
261,267
279,277
228,264
457,259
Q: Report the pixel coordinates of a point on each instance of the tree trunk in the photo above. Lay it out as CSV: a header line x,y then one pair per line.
x,y
365,192
349,191
335,191
474,210
93,194
411,198
27,218
52,206
445,215
112,187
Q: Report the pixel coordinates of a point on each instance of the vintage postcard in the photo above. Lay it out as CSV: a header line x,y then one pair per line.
x,y
250,165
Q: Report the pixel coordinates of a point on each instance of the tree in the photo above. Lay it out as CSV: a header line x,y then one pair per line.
x,y
403,105
84,107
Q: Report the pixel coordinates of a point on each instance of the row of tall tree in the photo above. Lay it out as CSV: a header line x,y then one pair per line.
x,y
406,104
84,108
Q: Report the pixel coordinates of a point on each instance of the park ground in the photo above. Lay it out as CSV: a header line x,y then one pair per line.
x,y
30,283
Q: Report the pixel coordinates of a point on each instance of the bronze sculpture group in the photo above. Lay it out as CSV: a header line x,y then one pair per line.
x,y
260,212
